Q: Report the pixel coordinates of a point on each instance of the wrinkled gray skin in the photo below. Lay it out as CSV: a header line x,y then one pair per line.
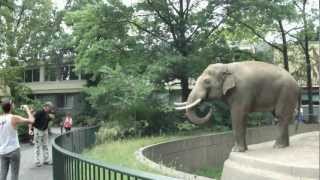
x,y
246,87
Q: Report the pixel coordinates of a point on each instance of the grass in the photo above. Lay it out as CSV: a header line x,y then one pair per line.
x,y
210,172
122,153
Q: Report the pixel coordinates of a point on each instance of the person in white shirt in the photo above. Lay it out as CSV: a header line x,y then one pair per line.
x,y
9,142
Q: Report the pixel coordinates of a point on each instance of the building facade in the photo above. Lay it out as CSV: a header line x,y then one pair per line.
x,y
60,85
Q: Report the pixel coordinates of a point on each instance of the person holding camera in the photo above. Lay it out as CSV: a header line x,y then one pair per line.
x,y
41,133
9,142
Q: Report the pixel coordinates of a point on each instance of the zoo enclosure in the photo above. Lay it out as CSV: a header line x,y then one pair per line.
x,y
68,164
210,150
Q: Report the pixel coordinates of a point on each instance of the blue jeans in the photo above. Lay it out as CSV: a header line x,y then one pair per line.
x,y
11,159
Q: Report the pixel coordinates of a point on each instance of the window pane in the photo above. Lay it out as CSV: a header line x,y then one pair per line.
x,y
45,98
68,101
50,74
28,76
60,101
73,75
36,75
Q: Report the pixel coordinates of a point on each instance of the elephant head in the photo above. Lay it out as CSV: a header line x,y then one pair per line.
x,y
215,81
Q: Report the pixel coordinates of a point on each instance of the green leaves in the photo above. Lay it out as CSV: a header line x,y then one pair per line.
x,y
119,91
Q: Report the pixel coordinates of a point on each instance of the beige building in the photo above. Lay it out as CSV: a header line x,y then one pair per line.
x,y
61,86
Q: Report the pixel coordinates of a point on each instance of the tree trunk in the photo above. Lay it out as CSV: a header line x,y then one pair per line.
x,y
184,88
307,57
309,82
284,46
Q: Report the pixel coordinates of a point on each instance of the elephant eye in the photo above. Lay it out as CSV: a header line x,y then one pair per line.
x,y
206,81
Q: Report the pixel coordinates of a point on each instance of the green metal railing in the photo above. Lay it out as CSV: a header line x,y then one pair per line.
x,y
68,164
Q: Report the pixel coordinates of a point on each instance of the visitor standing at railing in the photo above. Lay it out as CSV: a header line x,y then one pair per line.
x,y
67,124
41,134
9,142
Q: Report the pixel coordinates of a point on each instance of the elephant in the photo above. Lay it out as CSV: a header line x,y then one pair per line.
x,y
247,86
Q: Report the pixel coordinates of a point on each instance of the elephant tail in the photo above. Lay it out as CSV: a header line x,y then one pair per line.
x,y
299,117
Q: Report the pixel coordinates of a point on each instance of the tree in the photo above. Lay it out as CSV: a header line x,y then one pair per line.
x,y
263,17
185,25
24,27
303,37
118,45
180,29
31,32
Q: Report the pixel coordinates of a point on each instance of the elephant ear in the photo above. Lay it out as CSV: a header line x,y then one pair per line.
x,y
228,83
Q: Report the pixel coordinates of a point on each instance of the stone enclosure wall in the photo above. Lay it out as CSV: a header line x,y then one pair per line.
x,y
209,150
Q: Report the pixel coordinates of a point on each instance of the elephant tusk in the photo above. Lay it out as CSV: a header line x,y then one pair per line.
x,y
189,106
180,103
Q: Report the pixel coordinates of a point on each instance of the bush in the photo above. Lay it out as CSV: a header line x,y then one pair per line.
x,y
23,129
186,126
84,120
23,132
130,105
260,119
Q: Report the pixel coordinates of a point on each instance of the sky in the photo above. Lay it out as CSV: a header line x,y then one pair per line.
x,y
60,3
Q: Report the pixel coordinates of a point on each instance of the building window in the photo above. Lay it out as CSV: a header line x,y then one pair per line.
x,y
51,74
45,98
68,73
32,75
68,101
65,101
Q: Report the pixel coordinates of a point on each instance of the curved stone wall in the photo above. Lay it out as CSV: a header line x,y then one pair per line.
x,y
208,150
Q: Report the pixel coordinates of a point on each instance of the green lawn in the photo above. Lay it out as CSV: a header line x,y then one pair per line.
x,y
122,153
210,172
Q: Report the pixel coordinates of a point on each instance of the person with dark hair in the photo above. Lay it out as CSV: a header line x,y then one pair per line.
x,y
9,142
41,133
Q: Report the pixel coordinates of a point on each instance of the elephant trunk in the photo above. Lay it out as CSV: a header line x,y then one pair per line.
x,y
193,117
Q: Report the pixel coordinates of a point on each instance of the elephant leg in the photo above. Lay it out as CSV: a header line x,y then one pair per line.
x,y
284,111
239,129
283,138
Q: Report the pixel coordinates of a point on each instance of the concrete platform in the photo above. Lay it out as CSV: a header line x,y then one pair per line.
x,y
299,161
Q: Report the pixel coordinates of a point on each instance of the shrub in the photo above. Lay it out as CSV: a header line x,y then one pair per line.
x,y
23,130
260,119
130,105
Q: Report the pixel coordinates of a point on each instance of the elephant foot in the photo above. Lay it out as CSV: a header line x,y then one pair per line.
x,y
237,148
278,145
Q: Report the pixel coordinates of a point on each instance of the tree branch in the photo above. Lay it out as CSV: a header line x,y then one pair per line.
x,y
193,33
216,27
295,28
299,41
148,31
20,17
196,4
167,21
186,12
257,34
172,5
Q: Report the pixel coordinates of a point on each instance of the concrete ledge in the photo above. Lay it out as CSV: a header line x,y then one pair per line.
x,y
169,171
180,157
67,86
262,162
